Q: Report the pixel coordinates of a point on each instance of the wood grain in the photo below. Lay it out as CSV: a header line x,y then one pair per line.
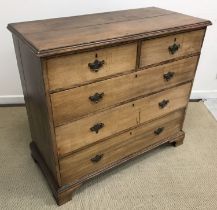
x,y
139,111
31,73
71,104
156,50
48,37
118,147
77,134
66,71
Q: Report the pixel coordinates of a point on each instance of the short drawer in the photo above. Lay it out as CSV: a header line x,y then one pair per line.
x,y
71,104
71,70
88,130
170,47
103,154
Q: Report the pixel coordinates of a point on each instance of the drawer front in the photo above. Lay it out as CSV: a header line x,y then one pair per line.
x,y
88,130
170,47
71,70
109,151
72,104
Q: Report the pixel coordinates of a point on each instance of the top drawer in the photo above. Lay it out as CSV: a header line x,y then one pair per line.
x,y
170,47
71,70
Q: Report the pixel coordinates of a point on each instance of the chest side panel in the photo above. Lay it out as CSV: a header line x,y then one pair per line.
x,y
31,73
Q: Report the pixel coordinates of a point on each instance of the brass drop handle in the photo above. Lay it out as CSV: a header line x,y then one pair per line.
x,y
163,103
96,97
158,131
96,65
97,127
97,158
174,48
168,76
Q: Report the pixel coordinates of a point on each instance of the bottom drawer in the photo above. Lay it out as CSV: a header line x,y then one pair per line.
x,y
96,157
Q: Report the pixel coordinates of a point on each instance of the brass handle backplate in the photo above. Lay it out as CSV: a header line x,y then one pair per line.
x,y
168,76
96,97
173,48
97,127
96,65
163,103
158,131
97,158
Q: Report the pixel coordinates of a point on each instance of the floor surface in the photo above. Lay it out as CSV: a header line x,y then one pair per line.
x,y
166,178
211,105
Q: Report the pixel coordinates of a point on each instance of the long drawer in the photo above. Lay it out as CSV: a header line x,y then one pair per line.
x,y
107,152
72,104
71,70
161,49
88,130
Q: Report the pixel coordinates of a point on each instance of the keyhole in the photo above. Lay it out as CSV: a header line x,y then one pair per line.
x,y
175,40
96,56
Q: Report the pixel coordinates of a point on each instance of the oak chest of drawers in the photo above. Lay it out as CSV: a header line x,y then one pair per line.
x,y
101,89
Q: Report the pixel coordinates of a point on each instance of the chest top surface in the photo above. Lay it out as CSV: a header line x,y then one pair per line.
x,y
53,36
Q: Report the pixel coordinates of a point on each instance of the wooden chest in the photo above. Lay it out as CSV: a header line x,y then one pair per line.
x,y
104,88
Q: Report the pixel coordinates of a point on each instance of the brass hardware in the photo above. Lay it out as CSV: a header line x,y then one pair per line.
x,y
96,97
159,131
174,48
97,127
163,103
169,75
96,65
96,158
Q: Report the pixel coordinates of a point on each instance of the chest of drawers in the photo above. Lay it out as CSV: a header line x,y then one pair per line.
x,y
104,88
